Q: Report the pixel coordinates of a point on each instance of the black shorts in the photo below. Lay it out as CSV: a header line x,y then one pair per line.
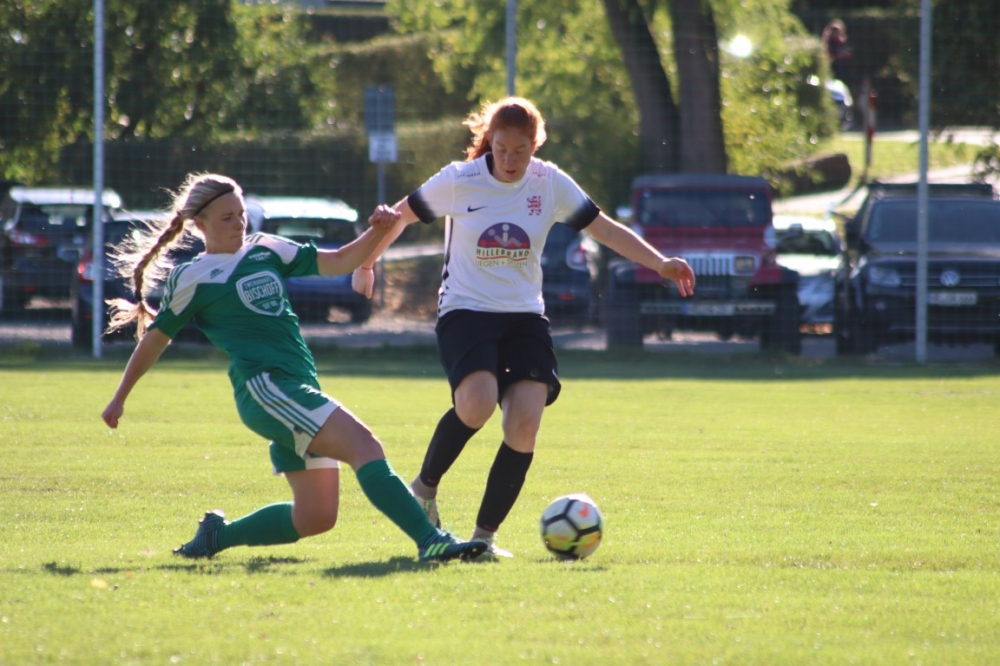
x,y
514,346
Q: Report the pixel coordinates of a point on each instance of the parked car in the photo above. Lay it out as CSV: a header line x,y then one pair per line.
x,y
876,284
44,232
811,247
116,229
566,284
331,224
722,225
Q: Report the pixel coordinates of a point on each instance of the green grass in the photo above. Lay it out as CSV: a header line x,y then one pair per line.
x,y
758,511
893,158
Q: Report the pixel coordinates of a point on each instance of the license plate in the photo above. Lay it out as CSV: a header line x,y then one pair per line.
x,y
710,309
952,298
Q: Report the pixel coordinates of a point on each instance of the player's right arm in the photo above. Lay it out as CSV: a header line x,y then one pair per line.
x,y
145,355
363,278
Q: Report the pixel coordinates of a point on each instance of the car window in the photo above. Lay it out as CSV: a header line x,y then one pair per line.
x,y
820,243
966,221
323,231
54,219
703,209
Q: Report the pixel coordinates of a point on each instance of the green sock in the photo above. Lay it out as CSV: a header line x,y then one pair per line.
x,y
389,494
266,526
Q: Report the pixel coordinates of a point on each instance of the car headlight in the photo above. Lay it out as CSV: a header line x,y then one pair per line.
x,y
744,264
881,276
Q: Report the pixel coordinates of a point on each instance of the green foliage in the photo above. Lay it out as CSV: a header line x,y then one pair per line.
x,y
401,61
775,108
753,521
174,68
966,39
47,79
567,63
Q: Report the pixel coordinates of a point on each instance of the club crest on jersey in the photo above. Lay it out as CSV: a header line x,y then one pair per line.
x,y
262,292
503,244
535,204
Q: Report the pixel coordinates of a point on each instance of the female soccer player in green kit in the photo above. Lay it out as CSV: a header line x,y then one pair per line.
x,y
235,293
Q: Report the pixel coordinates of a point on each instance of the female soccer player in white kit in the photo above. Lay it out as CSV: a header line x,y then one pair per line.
x,y
493,339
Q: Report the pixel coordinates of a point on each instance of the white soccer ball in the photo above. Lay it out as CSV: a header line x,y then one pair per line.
x,y
572,526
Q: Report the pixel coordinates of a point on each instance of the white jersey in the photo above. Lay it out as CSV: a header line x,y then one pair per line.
x,y
496,231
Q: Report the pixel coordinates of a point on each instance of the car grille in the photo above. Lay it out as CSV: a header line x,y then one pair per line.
x,y
971,275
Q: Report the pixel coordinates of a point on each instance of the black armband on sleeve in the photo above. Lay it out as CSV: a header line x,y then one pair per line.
x,y
582,216
420,208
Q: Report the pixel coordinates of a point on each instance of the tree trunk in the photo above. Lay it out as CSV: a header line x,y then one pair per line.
x,y
696,49
659,122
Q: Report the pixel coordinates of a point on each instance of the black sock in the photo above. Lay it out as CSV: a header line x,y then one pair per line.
x,y
502,487
450,437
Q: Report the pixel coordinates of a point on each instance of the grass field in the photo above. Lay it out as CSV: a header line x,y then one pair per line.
x,y
758,511
892,158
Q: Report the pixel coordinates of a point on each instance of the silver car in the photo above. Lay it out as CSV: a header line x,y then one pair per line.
x,y
810,246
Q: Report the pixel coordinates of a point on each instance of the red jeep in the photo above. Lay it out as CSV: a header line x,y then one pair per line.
x,y
721,224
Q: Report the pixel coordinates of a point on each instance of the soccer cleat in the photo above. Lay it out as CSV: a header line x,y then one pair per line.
x,y
430,507
205,542
443,546
493,552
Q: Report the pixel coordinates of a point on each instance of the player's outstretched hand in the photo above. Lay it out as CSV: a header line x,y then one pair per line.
x,y
112,413
383,218
677,270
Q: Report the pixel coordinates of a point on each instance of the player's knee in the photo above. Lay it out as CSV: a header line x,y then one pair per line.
x,y
316,520
475,411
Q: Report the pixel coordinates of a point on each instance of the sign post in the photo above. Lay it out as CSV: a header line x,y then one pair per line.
x,y
380,125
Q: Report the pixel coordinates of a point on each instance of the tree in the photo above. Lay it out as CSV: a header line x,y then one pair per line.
x,y
696,50
659,119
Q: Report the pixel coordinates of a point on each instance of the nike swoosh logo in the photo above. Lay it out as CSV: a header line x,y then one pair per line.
x,y
470,209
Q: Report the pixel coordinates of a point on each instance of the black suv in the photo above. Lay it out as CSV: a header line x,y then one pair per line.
x,y
876,284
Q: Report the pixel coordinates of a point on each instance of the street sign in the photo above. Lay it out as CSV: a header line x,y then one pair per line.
x,y
382,147
380,109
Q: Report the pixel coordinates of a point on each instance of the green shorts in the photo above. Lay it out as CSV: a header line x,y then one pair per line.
x,y
288,412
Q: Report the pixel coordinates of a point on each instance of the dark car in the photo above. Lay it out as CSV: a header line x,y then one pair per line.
x,y
330,224
116,229
44,233
566,284
876,285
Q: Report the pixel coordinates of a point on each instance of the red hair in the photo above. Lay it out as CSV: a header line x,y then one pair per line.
x,y
507,113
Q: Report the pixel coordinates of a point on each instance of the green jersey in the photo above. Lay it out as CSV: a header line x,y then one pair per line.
x,y
239,302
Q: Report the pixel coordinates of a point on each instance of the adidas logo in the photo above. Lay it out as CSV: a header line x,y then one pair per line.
x,y
215,273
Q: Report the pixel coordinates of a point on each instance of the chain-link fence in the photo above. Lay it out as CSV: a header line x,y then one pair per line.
x,y
816,100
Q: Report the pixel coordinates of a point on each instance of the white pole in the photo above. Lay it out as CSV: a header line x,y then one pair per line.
x,y
922,189
511,45
97,326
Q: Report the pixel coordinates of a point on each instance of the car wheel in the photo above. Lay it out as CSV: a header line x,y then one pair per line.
x,y
13,301
81,335
361,313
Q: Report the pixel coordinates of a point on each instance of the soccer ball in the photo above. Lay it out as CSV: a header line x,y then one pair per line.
x,y
572,527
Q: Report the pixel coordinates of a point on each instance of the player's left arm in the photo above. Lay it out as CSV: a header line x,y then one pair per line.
x,y
630,245
347,258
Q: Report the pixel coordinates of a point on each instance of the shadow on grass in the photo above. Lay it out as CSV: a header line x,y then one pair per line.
x,y
376,569
255,565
